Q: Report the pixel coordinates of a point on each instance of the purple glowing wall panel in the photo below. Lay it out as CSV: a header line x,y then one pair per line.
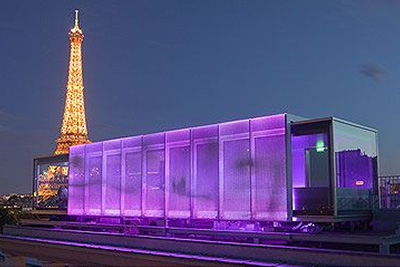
x,y
154,175
269,185
178,174
93,178
93,186
112,200
205,172
76,180
131,182
235,164
274,122
233,171
112,178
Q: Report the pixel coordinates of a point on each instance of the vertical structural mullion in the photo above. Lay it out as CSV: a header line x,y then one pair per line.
x,y
191,166
289,178
221,174
103,179
166,179
252,173
123,179
194,178
86,179
145,159
143,177
333,167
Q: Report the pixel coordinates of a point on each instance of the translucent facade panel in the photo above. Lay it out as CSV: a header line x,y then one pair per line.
x,y
268,123
178,174
112,199
235,165
234,128
204,133
132,197
154,175
269,185
270,178
93,188
205,194
218,171
112,145
179,182
94,148
156,139
76,181
178,136
205,189
132,142
131,180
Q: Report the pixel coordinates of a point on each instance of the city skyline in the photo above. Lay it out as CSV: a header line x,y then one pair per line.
x,y
151,66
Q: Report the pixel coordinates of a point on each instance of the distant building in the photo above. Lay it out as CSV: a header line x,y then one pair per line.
x,y
17,201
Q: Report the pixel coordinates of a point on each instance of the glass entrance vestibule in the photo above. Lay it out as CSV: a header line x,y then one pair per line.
x,y
334,168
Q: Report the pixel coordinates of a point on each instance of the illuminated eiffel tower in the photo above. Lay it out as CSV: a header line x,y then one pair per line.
x,y
73,129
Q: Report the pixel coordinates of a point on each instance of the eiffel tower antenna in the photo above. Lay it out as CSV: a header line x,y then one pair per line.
x,y
76,18
73,129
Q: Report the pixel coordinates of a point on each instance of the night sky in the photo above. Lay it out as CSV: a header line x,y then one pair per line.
x,y
156,65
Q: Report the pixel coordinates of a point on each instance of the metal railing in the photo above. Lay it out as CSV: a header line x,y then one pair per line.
x,y
389,192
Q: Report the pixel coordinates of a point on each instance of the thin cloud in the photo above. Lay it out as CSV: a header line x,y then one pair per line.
x,y
160,44
4,128
373,71
6,116
361,11
6,120
373,4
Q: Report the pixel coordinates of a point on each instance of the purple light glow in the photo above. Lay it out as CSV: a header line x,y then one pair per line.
x,y
93,178
131,180
112,177
234,170
205,188
269,172
311,170
235,164
178,174
153,182
76,180
299,145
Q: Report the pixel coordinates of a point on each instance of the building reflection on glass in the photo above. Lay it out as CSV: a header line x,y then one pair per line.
x,y
51,183
52,187
355,169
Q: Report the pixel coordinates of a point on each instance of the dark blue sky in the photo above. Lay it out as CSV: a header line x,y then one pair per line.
x,y
157,65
